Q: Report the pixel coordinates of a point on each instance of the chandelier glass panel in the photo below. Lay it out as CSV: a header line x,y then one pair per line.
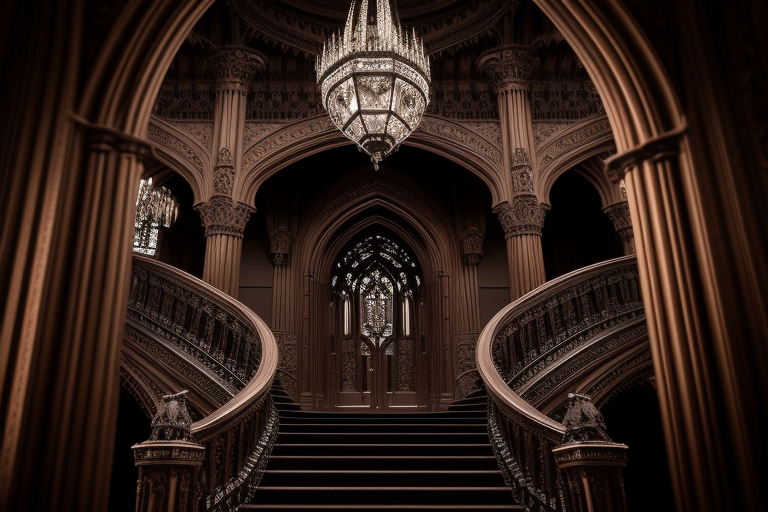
x,y
374,78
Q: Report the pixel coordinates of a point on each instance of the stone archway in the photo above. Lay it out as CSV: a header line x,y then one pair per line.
x,y
683,187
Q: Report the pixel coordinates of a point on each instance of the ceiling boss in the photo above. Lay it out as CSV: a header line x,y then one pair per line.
x,y
374,78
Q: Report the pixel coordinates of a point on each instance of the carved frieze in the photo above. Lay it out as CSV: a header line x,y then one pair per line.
x,y
185,101
592,131
288,136
523,216
462,135
224,216
283,102
565,101
175,145
201,132
543,132
476,103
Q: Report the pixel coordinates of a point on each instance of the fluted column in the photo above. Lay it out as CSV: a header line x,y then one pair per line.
x,y
224,221
701,362
62,372
509,68
622,223
224,218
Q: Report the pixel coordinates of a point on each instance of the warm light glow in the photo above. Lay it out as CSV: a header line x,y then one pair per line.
x,y
374,78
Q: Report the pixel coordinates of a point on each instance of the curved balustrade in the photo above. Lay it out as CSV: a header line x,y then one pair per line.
x,y
561,328
192,319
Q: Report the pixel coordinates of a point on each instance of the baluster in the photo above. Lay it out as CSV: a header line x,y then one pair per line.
x,y
153,301
181,311
167,303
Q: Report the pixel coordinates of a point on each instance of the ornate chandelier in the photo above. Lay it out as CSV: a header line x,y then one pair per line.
x,y
374,79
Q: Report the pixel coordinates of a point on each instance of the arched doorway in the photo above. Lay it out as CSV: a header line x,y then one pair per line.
x,y
376,286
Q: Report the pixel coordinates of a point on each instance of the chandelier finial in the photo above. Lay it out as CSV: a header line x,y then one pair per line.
x,y
374,78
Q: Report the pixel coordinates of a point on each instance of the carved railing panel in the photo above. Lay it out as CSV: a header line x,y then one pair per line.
x,y
594,312
195,320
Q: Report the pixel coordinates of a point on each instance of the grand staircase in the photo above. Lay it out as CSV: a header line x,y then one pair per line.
x,y
421,461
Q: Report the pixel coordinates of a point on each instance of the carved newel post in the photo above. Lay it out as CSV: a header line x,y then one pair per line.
x,y
169,462
521,216
223,217
589,462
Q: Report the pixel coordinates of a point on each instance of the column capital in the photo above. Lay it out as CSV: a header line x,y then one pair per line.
x,y
234,67
472,246
524,215
223,215
509,67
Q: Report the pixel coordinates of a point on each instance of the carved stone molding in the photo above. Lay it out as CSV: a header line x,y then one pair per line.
x,y
472,246
202,132
280,240
663,147
106,139
522,172
224,173
288,136
175,145
509,67
565,101
622,221
464,136
224,216
467,376
523,216
235,67
573,140
477,103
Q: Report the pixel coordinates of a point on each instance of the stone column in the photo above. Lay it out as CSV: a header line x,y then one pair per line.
x,y
169,462
706,368
509,68
522,220
224,219
67,288
622,223
589,462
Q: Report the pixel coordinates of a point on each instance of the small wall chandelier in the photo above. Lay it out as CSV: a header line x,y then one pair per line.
x,y
374,78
